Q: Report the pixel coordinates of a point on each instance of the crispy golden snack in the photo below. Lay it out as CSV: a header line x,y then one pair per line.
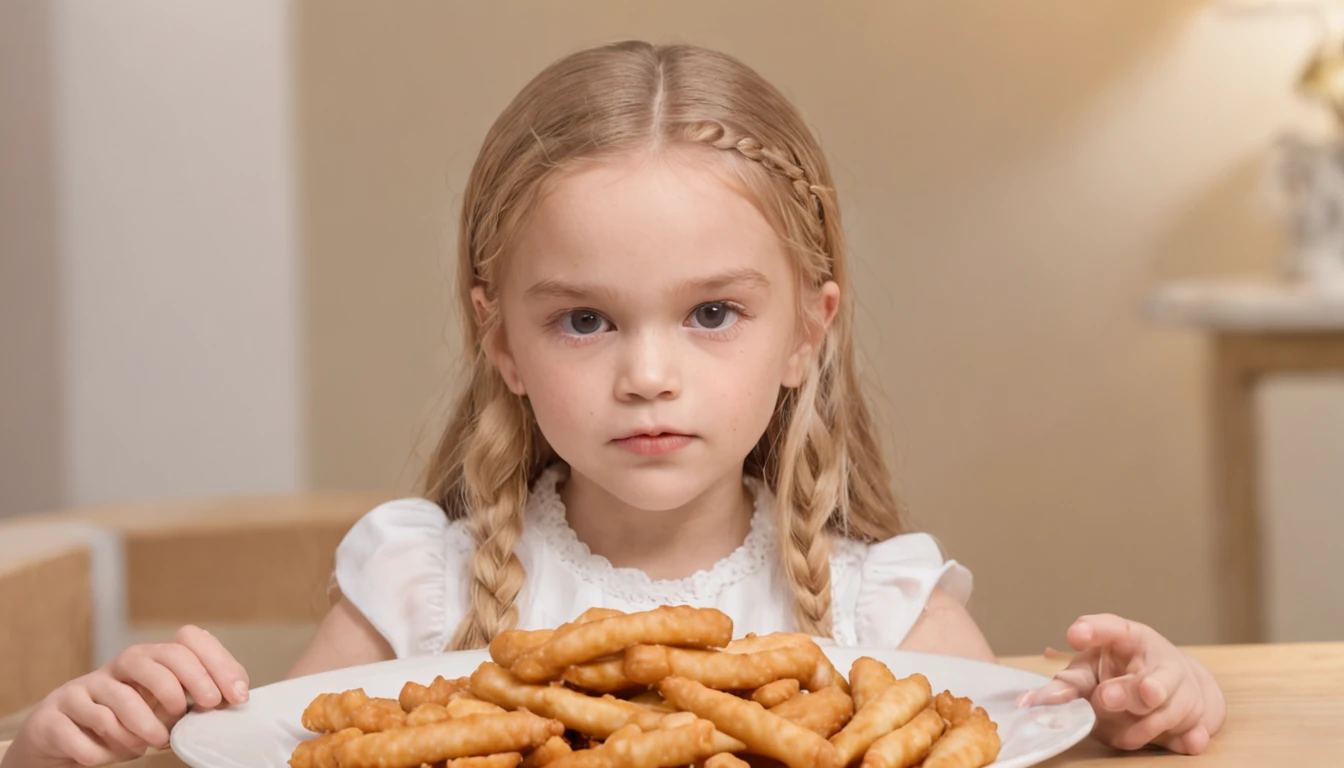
x,y
512,644
441,691
595,717
592,614
893,708
754,643
956,710
463,737
678,746
825,675
868,678
555,748
317,753
331,712
726,760
465,707
648,664
653,700
907,745
668,625
974,743
498,760
601,676
760,731
823,712
427,713
379,715
776,693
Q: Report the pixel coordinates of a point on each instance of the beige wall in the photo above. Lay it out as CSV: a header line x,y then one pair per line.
x,y
180,336
1016,176
30,391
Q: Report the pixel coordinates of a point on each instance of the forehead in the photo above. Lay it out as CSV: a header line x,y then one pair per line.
x,y
638,220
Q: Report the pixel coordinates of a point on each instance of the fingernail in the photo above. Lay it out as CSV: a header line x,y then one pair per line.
x,y
1112,697
240,691
1085,629
1022,699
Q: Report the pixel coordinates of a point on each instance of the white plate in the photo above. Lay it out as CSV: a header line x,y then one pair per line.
x,y
265,730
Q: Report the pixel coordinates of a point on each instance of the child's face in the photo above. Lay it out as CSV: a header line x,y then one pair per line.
x,y
648,294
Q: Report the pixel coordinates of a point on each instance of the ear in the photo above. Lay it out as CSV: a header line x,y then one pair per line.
x,y
495,343
821,307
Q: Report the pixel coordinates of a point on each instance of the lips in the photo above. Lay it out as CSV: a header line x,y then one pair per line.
x,y
654,442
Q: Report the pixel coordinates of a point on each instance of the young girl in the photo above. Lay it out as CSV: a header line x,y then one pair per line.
x,y
662,408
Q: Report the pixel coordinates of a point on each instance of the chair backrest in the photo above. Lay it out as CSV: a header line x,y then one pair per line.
x,y
75,584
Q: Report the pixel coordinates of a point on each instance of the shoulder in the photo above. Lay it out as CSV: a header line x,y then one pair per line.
x,y
394,566
891,582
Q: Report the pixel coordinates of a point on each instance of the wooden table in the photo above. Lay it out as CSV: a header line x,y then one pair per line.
x,y
1285,708
1257,330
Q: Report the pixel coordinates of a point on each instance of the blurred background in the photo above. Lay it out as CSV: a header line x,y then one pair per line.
x,y
226,242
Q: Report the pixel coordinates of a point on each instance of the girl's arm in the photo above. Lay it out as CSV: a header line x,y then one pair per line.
x,y
946,628
344,639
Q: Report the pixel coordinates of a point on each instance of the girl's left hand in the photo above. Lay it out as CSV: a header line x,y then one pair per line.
x,y
1143,689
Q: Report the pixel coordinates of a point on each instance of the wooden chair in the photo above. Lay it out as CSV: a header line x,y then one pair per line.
x,y
78,585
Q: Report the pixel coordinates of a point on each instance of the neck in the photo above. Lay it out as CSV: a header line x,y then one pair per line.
x,y
665,544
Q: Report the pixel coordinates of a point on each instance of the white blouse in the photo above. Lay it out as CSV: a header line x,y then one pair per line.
x,y
405,567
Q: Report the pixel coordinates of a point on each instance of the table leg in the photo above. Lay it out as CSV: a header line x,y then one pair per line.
x,y
1236,523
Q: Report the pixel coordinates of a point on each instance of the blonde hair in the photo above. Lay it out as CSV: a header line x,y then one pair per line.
x,y
819,454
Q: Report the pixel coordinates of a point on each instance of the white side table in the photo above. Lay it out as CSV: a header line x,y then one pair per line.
x,y
1256,330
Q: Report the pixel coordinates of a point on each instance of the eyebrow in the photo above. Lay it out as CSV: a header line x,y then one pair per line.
x,y
745,277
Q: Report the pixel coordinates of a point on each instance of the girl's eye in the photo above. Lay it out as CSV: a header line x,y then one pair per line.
x,y
715,316
583,322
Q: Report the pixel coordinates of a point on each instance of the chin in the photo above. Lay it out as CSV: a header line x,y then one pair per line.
x,y
653,486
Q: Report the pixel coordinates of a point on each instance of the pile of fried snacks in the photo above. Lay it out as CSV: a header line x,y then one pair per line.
x,y
656,689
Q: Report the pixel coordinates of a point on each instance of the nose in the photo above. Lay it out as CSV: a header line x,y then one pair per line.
x,y
649,369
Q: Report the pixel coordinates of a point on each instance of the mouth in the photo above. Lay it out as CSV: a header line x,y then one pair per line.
x,y
655,441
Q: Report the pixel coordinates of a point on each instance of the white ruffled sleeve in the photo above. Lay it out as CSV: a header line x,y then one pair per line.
x,y
898,575
401,567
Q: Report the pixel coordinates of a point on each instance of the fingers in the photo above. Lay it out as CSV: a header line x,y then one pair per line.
x,y
156,673
1077,680
1167,725
130,709
92,716
1192,742
1126,694
1108,631
77,744
1054,692
229,676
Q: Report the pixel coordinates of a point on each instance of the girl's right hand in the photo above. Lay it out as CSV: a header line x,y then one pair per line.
x,y
118,712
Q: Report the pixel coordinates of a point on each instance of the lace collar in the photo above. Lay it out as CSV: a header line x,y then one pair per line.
x,y
546,518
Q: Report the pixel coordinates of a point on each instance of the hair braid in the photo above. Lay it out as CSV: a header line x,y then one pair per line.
x,y
811,487
496,478
777,161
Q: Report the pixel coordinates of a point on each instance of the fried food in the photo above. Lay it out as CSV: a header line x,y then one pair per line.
x,y
379,715
760,730
679,625
893,708
776,693
317,753
823,712
597,717
472,736
908,745
664,688
724,671
331,712
868,678
441,691
973,743
601,676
